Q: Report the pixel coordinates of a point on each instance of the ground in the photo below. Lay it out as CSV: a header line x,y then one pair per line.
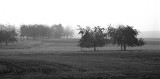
x,y
62,59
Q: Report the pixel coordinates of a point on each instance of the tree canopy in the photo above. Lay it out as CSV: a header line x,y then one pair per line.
x,y
68,32
7,34
92,37
124,36
44,31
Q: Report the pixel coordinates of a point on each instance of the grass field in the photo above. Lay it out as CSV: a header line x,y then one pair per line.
x,y
63,45
62,59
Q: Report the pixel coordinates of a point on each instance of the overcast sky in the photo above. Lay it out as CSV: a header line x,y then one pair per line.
x,y
142,14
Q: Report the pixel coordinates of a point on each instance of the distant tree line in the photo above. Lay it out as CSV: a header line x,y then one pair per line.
x,y
44,31
123,36
7,34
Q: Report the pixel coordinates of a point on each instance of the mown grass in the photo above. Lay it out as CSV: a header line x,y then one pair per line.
x,y
82,65
25,46
33,69
62,59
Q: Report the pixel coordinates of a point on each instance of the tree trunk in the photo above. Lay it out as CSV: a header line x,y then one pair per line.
x,y
94,47
124,47
6,42
121,47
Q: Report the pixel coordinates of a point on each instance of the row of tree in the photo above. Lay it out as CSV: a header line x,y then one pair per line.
x,y
44,31
123,36
7,34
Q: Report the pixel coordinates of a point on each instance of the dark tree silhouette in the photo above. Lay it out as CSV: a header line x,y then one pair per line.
x,y
92,37
81,30
141,42
125,36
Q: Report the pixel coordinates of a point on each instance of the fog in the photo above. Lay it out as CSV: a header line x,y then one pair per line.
x,y
142,14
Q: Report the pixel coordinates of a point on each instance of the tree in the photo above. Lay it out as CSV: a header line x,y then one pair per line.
x,y
92,37
48,32
11,36
8,34
1,36
25,31
86,40
57,30
33,31
125,36
141,42
110,35
68,32
2,28
81,30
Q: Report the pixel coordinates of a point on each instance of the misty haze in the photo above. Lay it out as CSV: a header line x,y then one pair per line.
x,y
79,39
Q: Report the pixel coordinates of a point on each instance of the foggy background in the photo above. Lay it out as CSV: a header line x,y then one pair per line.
x,y
142,14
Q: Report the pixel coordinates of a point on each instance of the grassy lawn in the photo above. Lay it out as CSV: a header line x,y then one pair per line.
x,y
81,65
61,45
62,59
